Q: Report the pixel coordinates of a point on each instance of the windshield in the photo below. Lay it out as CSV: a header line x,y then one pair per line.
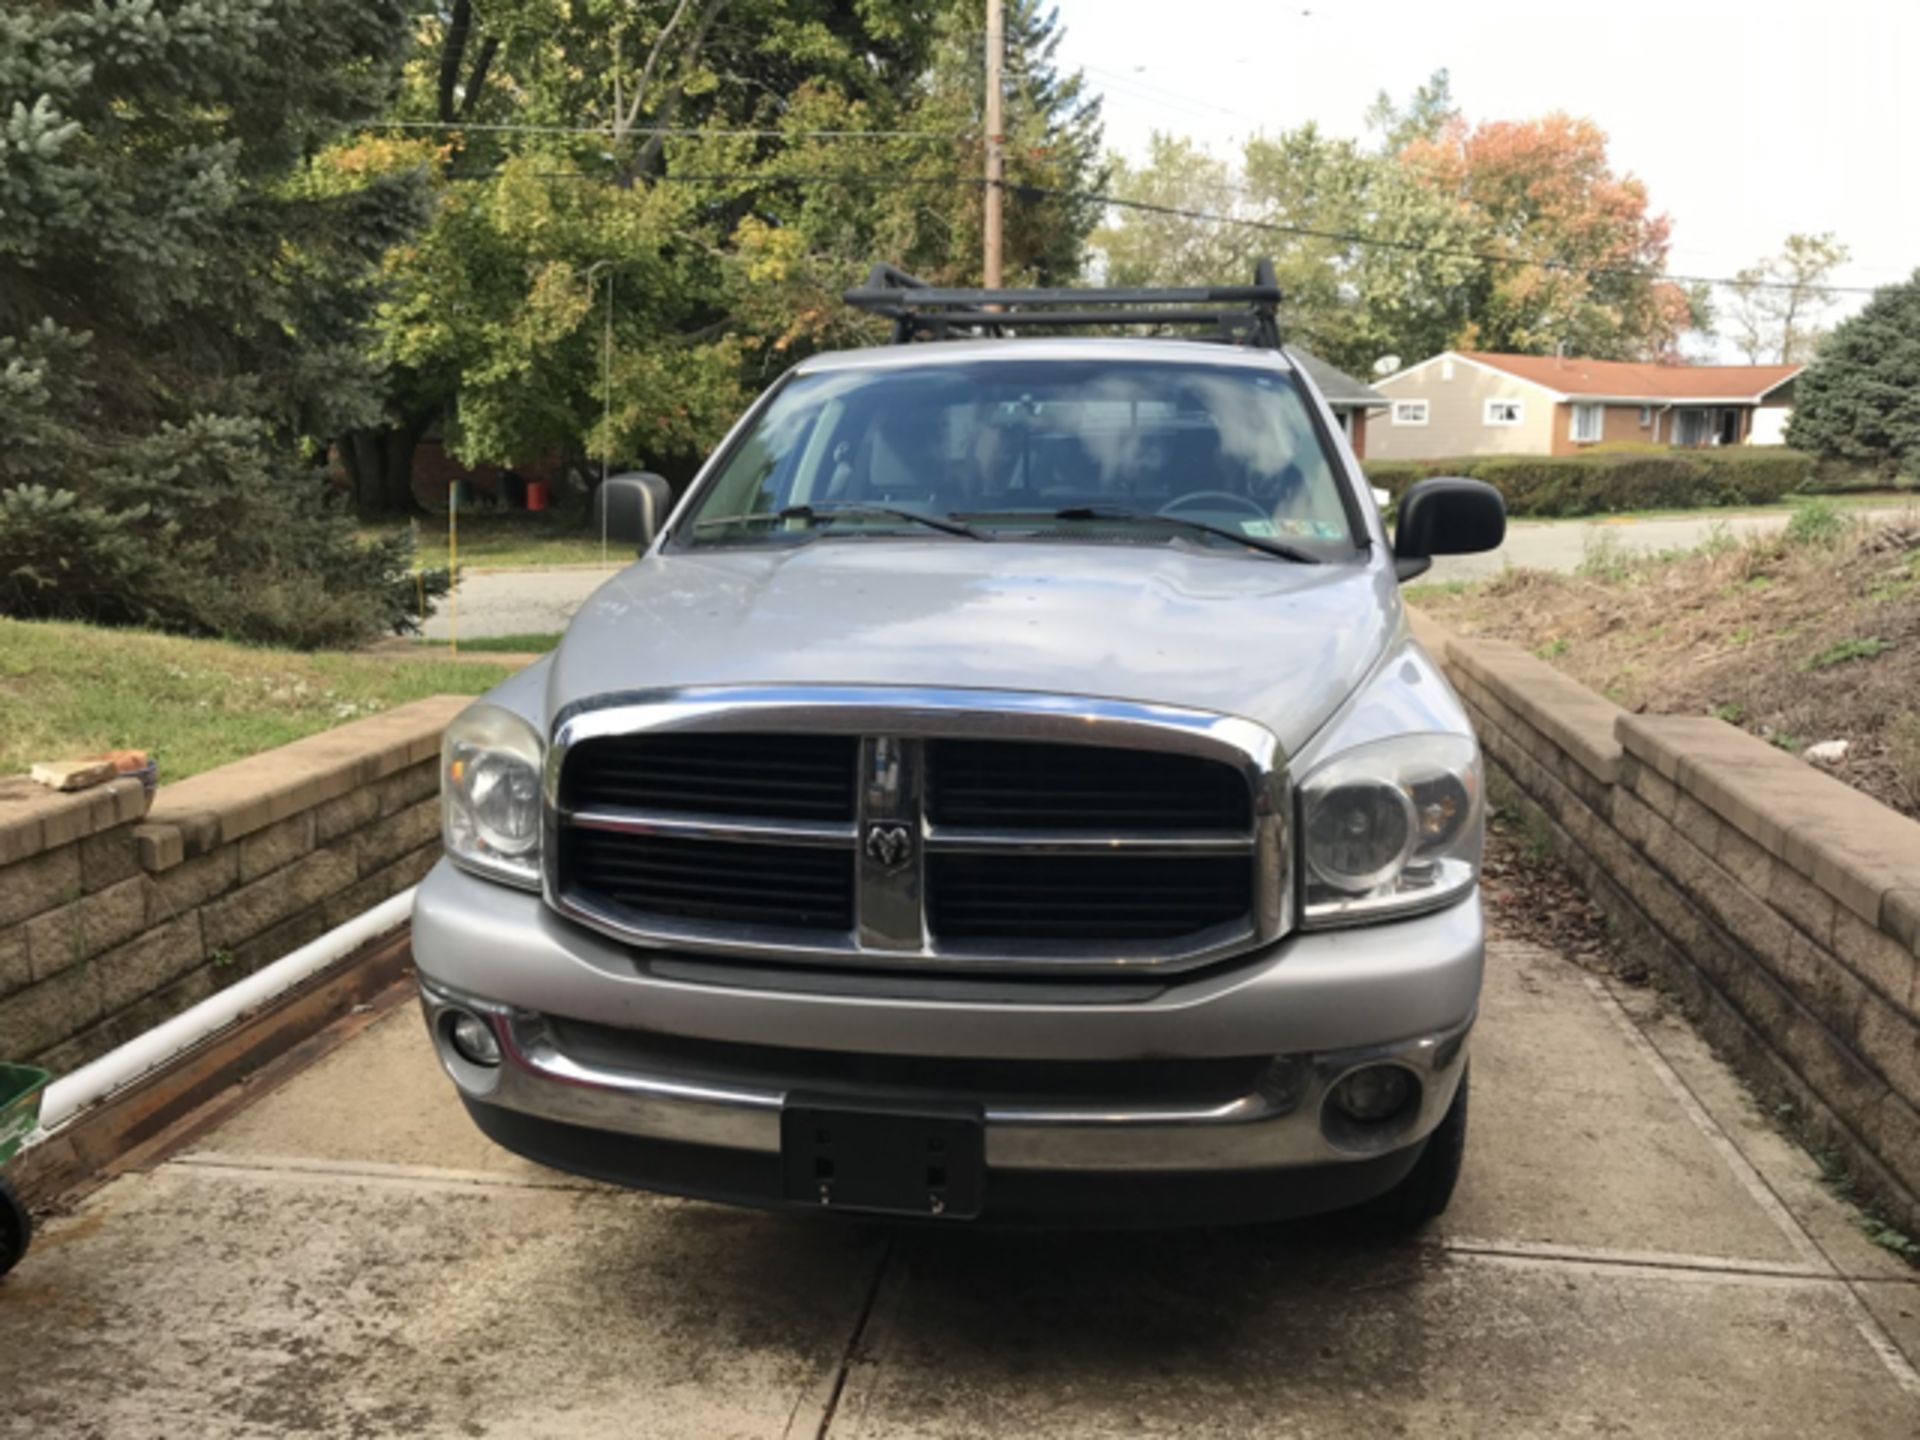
x,y
1107,450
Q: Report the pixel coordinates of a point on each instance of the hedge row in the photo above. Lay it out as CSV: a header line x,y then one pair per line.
x,y
1604,482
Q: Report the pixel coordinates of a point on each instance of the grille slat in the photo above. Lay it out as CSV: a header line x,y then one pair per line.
x,y
715,880
984,783
1005,897
774,777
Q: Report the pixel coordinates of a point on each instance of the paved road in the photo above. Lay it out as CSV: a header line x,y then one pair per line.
x,y
511,602
1562,544
1632,1252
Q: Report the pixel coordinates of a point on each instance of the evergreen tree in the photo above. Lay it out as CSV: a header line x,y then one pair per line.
x,y
182,302
1860,399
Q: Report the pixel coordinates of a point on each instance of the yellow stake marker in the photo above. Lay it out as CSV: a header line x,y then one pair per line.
x,y
419,575
453,567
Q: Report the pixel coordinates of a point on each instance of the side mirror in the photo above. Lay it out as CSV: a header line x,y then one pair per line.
x,y
1446,515
632,507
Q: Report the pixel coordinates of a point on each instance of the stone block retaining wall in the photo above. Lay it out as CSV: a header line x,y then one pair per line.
x,y
1782,905
117,913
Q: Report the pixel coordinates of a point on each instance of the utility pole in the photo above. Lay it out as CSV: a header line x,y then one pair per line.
x,y
996,50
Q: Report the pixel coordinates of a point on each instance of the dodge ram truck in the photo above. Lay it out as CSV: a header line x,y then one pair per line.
x,y
1005,787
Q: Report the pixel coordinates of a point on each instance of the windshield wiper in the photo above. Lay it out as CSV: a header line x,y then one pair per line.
x,y
826,515
1277,548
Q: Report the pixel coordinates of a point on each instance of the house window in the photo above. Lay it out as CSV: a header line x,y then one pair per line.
x,y
1587,420
1504,412
1646,417
1409,412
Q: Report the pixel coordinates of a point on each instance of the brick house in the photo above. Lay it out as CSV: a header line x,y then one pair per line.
x,y
1473,402
1348,398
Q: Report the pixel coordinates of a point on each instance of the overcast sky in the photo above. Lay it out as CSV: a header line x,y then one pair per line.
x,y
1747,121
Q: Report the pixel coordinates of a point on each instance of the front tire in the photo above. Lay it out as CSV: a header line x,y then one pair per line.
x,y
1424,1194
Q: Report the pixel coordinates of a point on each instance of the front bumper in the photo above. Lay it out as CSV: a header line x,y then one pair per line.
x,y
1282,1119
1309,1011
1311,992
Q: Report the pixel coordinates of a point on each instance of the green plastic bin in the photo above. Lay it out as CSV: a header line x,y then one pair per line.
x,y
20,1087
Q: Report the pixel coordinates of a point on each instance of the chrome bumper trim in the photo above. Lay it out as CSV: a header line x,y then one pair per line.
x,y
1277,1124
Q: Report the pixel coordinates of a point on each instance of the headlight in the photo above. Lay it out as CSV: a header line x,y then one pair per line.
x,y
490,794
1390,827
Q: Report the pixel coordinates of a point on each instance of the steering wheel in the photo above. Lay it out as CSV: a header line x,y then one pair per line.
x,y
1187,502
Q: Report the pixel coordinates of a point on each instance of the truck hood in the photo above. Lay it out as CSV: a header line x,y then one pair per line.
x,y
1270,641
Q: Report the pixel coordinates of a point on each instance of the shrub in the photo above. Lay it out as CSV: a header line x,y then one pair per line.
x,y
1864,648
202,529
1609,481
1394,476
1816,522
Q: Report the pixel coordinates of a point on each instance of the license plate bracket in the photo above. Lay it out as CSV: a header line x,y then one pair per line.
x,y
927,1161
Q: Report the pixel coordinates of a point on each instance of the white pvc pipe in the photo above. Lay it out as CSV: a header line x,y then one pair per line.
x,y
147,1052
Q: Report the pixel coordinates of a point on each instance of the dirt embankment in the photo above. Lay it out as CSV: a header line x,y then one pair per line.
x,y
1805,639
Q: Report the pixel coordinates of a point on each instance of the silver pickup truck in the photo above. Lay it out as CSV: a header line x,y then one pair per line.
x,y
1006,787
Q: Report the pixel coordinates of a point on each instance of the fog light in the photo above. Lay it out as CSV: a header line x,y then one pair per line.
x,y
1373,1094
473,1040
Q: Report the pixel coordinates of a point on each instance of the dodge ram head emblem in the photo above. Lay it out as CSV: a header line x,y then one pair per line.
x,y
890,844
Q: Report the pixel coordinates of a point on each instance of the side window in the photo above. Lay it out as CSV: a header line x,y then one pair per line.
x,y
1505,412
1409,412
1587,423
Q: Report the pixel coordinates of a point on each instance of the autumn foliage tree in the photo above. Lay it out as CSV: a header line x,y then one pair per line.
x,y
1434,233
1569,255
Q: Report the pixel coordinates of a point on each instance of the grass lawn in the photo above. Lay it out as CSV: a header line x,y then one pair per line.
x,y
68,689
515,541
533,642
1802,637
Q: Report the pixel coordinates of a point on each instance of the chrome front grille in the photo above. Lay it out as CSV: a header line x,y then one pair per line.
x,y
918,830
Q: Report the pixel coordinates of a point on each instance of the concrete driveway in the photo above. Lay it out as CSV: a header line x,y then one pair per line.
x,y
1633,1252
519,602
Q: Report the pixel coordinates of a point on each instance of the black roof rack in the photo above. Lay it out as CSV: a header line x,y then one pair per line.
x,y
1239,314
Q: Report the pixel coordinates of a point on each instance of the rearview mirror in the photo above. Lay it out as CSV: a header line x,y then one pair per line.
x,y
1446,515
632,507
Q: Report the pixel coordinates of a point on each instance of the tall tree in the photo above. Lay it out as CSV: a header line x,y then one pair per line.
x,y
181,308
1776,308
1860,398
1426,113
1163,241
719,254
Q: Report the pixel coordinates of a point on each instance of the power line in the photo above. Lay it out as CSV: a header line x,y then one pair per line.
x,y
1158,94
670,131
1417,247
1026,191
748,178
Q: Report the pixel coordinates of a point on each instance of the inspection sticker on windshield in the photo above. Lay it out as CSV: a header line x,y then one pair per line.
x,y
1261,529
